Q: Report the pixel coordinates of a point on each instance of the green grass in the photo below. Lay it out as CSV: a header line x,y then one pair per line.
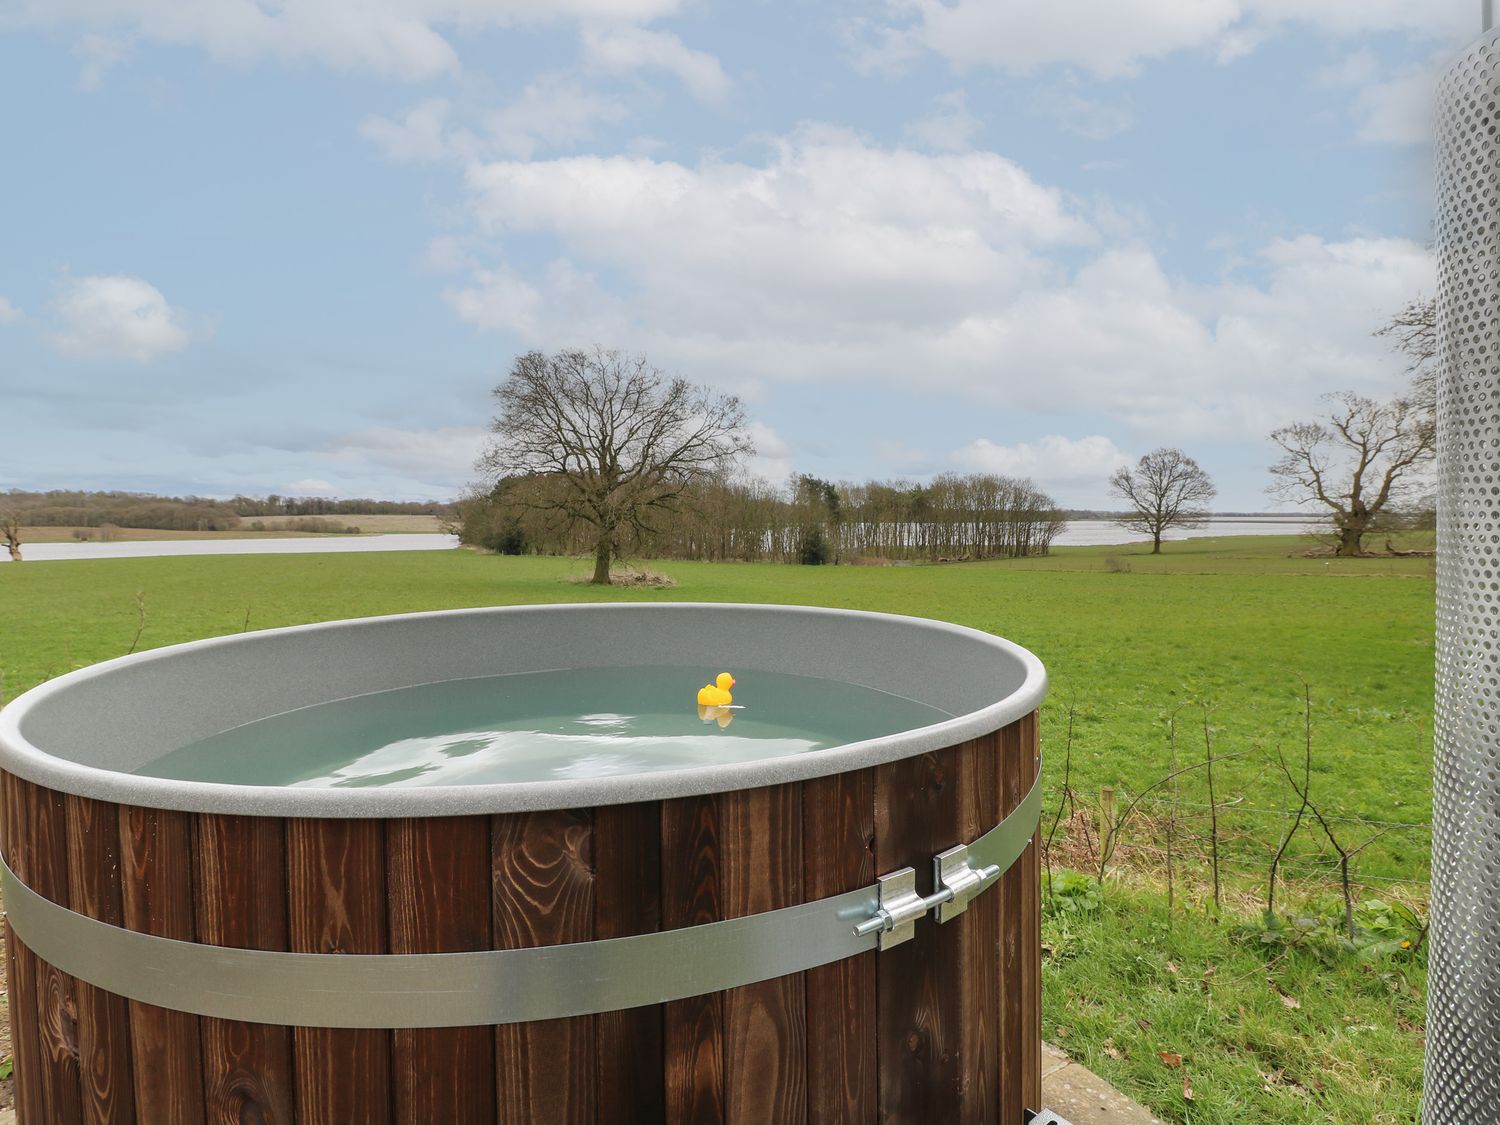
x,y
1122,985
1229,623
1128,639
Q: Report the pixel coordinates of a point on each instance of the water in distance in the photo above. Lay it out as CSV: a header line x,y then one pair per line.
x,y
542,726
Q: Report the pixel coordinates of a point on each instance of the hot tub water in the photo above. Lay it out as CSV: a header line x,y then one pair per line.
x,y
540,726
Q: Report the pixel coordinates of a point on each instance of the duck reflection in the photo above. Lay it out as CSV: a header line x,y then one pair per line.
x,y
716,714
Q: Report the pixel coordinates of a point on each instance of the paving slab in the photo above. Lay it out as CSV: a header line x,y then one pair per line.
x,y
1081,1096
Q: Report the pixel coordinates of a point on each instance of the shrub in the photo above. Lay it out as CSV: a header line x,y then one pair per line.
x,y
814,550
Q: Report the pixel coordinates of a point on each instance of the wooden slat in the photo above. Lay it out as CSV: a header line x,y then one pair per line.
x,y
838,834
103,1017
1011,894
765,1030
21,963
57,1012
438,872
627,900
157,890
977,947
1031,928
543,894
920,993
692,893
336,904
240,872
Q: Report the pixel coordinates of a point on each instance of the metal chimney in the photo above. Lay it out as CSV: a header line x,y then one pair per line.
x,y
1462,1080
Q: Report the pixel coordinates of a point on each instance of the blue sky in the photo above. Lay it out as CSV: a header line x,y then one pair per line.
x,y
252,247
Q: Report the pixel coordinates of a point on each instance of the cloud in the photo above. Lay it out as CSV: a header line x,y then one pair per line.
x,y
1393,107
118,318
623,50
1109,39
774,460
950,127
311,487
9,314
444,456
1094,119
835,260
1055,463
404,39
554,111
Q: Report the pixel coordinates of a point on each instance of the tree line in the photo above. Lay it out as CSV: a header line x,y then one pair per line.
x,y
807,520
79,508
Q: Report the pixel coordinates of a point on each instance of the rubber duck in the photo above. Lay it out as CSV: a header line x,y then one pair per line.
x,y
717,694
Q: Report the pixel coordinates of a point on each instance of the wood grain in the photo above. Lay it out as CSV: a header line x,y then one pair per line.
x,y
57,1015
1030,921
25,1044
439,900
838,833
103,1017
692,893
336,903
157,890
765,1024
916,816
627,900
240,875
976,944
543,894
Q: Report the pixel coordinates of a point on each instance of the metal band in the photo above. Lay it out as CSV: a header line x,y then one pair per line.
x,y
463,989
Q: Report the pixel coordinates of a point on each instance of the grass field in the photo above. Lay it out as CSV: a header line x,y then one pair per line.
x,y
1229,623
1128,639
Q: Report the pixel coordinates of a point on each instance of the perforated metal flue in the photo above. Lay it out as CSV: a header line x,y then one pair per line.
x,y
1463,1029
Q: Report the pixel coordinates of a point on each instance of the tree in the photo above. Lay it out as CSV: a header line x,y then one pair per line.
x,y
1165,489
610,439
10,531
1358,461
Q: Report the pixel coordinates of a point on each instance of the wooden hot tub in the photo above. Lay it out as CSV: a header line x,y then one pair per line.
x,y
788,1016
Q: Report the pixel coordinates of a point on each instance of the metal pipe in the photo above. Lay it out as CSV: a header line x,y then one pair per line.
x,y
1487,8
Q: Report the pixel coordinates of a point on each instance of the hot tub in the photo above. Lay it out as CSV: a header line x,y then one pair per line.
x,y
844,934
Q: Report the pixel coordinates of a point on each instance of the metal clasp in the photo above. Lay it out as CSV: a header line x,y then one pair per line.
x,y
954,882
952,871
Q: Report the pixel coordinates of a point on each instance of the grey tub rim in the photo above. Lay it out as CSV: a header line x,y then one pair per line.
x,y
20,756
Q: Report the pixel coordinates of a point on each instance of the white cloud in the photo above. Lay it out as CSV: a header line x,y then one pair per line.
x,y
443,456
399,38
1111,39
1388,108
1055,462
553,111
622,50
1094,119
311,487
838,261
950,127
9,314
420,134
118,318
773,460
1398,110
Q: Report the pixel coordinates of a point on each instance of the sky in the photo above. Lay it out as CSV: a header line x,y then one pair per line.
x,y
257,247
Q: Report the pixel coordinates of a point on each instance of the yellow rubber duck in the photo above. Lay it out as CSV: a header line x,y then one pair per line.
x,y
717,694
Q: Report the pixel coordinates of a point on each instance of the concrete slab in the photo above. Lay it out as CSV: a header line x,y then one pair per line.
x,y
1081,1096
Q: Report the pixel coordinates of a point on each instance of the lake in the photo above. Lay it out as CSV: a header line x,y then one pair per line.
x,y
1080,533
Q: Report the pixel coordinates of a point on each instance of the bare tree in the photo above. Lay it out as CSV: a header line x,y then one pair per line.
x,y
10,531
1358,461
1413,333
612,437
1165,489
